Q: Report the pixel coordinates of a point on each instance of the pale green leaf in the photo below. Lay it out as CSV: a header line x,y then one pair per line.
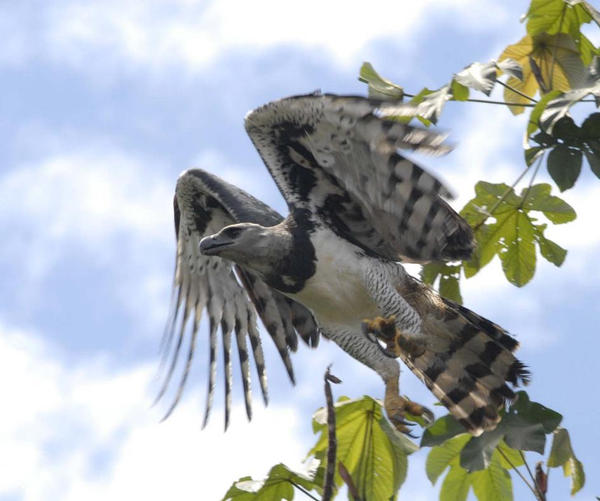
x,y
509,457
518,251
440,457
277,486
459,91
379,87
373,453
493,483
456,485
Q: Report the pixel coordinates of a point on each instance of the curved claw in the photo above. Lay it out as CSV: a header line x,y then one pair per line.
x,y
400,421
428,416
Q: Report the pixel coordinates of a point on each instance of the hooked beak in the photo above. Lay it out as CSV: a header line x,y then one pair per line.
x,y
211,245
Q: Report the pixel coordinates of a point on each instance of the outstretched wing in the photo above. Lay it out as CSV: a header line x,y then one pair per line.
x,y
337,156
203,205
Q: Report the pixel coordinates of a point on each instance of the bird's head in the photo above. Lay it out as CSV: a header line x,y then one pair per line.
x,y
248,244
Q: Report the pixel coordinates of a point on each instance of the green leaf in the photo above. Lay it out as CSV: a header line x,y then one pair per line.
x,y
379,87
441,430
562,454
430,271
566,130
449,277
509,457
590,128
550,250
511,235
493,483
518,251
372,451
594,160
561,448
477,453
552,16
531,154
450,288
277,486
564,166
459,91
554,208
526,424
441,456
456,485
479,76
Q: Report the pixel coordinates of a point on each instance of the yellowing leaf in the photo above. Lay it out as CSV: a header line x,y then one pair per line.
x,y
562,454
557,58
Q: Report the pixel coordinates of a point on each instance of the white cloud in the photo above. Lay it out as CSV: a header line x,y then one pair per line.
x,y
194,34
85,431
97,206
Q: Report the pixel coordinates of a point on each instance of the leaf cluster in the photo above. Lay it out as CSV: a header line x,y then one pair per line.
x,y
556,61
373,457
483,463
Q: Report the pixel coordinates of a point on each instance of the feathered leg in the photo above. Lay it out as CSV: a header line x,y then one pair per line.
x,y
367,351
395,405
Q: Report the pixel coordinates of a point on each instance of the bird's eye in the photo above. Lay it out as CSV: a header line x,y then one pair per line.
x,y
232,232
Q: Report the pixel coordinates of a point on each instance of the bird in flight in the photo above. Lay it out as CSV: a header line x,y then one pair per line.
x,y
332,267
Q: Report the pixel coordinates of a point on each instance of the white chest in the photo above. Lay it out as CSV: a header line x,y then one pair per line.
x,y
336,293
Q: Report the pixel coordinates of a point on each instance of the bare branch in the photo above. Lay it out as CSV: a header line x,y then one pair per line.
x,y
332,445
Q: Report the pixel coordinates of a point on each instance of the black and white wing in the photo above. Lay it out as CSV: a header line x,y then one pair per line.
x,y
203,205
338,156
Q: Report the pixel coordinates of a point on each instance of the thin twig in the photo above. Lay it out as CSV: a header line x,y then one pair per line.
x,y
302,489
516,91
503,103
332,445
540,495
537,168
518,472
489,101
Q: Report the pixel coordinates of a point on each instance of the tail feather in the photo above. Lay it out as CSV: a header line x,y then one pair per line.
x,y
468,364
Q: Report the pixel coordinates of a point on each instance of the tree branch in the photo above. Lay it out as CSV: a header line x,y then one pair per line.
x,y
332,444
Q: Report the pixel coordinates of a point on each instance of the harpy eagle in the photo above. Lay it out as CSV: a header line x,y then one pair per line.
x,y
357,209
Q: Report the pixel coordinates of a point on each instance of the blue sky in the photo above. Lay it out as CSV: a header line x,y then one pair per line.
x,y
102,105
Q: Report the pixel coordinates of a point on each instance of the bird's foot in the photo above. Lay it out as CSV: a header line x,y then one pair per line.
x,y
397,407
394,340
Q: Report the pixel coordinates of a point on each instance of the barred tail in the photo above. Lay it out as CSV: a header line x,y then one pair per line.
x,y
468,364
